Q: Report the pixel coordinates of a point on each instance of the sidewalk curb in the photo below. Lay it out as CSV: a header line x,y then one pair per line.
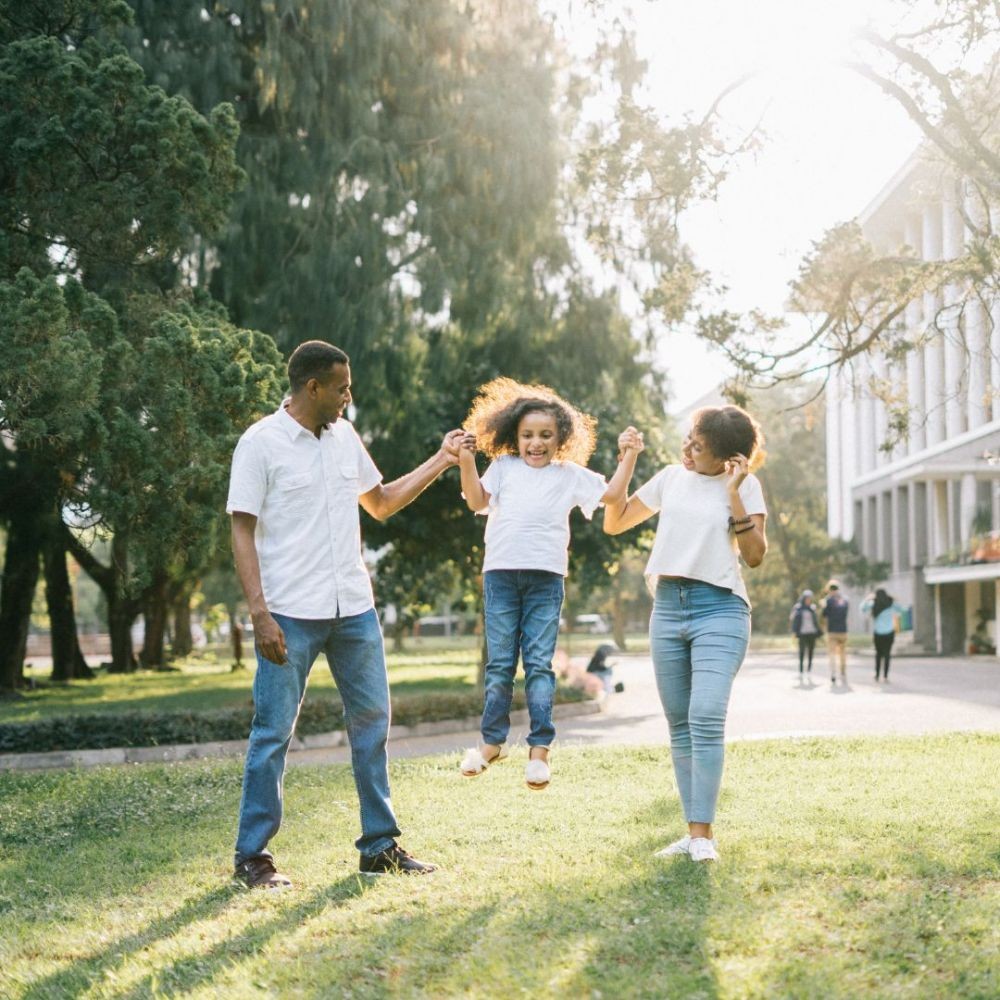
x,y
65,759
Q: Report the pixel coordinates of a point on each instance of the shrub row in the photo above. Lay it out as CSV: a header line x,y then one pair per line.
x,y
150,729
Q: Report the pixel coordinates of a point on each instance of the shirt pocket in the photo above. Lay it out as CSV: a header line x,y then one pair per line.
x,y
293,493
343,477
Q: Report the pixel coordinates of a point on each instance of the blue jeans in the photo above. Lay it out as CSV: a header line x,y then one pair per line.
x,y
354,650
522,616
698,635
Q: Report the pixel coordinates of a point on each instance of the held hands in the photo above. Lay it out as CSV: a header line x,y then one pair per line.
x,y
630,440
452,444
737,468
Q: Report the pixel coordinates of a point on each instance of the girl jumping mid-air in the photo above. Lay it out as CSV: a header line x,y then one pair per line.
x,y
538,444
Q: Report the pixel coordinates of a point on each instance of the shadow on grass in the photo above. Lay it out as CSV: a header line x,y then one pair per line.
x,y
193,969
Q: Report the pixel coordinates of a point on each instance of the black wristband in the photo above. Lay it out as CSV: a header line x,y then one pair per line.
x,y
743,531
734,521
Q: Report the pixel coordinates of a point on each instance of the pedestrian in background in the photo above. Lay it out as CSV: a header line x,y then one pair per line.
x,y
835,609
883,610
805,624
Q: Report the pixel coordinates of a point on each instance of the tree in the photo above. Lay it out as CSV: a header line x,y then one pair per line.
x,y
103,179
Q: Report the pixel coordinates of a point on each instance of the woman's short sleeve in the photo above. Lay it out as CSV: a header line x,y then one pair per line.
x,y
752,496
650,494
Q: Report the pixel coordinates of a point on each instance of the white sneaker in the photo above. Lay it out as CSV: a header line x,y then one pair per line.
x,y
677,847
537,774
703,849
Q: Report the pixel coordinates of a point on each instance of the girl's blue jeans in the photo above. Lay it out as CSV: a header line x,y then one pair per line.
x,y
522,609
698,636
354,650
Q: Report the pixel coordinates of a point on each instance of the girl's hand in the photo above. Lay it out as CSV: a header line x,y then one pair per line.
x,y
737,468
468,442
629,440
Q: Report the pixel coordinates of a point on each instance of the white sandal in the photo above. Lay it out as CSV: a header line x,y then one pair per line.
x,y
537,774
474,763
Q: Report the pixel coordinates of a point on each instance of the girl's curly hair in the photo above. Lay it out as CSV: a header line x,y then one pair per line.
x,y
500,405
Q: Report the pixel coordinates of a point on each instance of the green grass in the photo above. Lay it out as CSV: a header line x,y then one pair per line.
x,y
851,868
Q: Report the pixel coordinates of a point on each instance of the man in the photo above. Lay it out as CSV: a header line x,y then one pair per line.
x,y
298,476
835,612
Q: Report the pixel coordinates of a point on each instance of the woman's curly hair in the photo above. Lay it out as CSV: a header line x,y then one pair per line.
x,y
729,430
500,405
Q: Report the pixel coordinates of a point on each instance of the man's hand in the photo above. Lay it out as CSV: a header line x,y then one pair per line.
x,y
269,638
451,445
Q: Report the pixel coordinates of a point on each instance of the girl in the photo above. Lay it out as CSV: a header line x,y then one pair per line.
x,y
883,610
711,516
538,444
804,621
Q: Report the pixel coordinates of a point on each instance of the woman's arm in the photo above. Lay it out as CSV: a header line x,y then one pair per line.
x,y
752,541
625,514
629,445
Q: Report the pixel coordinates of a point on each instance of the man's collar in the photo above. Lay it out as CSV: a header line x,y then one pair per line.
x,y
288,423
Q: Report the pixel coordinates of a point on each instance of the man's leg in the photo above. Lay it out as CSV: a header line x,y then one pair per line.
x,y
277,694
357,660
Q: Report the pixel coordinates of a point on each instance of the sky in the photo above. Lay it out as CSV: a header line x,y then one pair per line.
x,y
833,141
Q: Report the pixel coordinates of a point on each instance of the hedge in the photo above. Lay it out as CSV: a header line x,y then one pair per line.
x,y
150,729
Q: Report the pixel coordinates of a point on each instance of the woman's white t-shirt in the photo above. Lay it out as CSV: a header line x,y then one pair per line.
x,y
693,537
528,522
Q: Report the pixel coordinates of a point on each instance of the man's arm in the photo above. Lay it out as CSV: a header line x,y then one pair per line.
x,y
383,501
268,637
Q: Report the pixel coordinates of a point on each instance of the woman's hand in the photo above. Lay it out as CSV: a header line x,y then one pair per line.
x,y
737,469
630,440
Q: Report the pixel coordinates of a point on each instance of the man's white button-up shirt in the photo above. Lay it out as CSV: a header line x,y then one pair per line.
x,y
304,492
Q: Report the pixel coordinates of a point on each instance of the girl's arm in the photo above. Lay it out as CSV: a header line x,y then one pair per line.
x,y
630,443
476,498
752,541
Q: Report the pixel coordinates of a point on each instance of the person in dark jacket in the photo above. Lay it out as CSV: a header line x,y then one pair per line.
x,y
835,612
806,628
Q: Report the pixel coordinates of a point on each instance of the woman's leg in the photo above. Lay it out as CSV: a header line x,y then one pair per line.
x,y
672,667
888,652
502,615
719,644
802,652
810,649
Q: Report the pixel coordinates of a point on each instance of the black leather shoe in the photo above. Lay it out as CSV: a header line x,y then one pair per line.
x,y
393,861
260,873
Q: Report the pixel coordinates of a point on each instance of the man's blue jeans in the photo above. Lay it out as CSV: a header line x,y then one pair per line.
x,y
354,650
522,617
698,636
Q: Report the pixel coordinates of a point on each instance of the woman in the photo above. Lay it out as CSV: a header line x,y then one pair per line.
x,y
883,610
805,627
712,515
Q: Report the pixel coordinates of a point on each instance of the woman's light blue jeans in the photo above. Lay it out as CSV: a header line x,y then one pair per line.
x,y
522,609
354,650
698,636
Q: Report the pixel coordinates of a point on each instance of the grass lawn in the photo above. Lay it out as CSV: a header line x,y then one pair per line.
x,y
850,868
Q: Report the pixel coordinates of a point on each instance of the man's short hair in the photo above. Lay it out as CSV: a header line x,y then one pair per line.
x,y
833,585
313,359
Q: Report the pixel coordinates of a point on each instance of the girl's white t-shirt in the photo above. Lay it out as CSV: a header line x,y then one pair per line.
x,y
528,514
693,537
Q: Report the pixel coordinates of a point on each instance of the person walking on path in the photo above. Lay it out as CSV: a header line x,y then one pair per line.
x,y
806,628
883,610
834,612
539,445
298,476
712,517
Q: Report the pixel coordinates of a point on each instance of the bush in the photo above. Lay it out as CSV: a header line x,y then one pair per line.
x,y
150,729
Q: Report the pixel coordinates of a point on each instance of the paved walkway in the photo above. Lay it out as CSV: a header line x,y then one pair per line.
x,y
925,695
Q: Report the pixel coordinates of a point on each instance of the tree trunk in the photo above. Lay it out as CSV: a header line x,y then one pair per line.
x,y
619,613
183,642
68,662
155,616
20,577
236,637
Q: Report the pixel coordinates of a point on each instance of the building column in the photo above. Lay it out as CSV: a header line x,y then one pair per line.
x,y
955,361
994,337
934,345
915,356
967,508
978,409
939,518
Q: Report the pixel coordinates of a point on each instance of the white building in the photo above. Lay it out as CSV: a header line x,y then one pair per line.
x,y
928,506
